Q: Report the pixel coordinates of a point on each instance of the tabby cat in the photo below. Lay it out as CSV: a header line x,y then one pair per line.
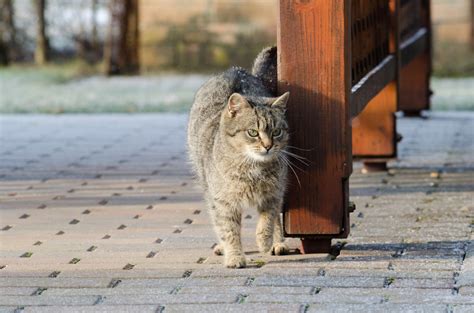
x,y
237,136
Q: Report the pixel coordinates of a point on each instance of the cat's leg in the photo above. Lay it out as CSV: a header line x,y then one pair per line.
x,y
227,221
265,227
279,246
219,247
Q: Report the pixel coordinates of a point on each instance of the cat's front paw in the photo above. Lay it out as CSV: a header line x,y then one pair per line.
x,y
235,261
280,248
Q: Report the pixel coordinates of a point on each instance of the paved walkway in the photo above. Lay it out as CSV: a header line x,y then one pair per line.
x,y
99,213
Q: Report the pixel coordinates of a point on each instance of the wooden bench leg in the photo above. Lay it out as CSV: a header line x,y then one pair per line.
x,y
317,245
415,86
415,76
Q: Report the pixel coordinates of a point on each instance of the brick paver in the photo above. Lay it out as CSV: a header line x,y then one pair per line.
x,y
100,213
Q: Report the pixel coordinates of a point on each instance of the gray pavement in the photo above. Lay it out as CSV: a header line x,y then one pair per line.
x,y
99,213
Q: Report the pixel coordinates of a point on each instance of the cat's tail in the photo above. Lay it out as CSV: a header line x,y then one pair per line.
x,y
265,68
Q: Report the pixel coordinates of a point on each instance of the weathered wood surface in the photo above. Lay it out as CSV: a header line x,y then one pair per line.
x,y
342,59
416,62
374,129
372,83
314,65
370,23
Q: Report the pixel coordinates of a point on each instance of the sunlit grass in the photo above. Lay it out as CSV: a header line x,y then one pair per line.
x,y
74,88
77,87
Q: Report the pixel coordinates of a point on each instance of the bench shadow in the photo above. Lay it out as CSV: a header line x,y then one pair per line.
x,y
388,252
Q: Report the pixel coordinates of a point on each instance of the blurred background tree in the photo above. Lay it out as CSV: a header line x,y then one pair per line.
x,y
42,41
7,32
121,50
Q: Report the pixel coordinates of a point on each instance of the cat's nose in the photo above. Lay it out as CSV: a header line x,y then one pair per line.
x,y
268,147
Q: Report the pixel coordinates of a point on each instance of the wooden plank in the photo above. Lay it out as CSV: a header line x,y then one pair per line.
x,y
415,86
371,84
374,129
314,65
414,46
410,18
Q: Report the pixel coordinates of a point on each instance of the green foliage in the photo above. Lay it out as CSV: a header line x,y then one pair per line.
x,y
452,59
192,47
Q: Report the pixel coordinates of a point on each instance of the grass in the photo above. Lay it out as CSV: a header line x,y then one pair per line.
x,y
452,59
77,87
56,89
52,73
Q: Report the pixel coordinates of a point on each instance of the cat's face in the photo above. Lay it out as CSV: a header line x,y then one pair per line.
x,y
258,133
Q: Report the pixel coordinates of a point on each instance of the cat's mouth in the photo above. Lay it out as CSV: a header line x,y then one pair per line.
x,y
261,156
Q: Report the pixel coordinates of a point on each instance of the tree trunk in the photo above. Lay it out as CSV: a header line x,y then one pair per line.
x,y
7,32
42,44
472,26
94,36
121,51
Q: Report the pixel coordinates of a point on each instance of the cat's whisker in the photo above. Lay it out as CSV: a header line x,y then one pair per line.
x,y
301,149
286,161
297,157
293,164
296,166
301,160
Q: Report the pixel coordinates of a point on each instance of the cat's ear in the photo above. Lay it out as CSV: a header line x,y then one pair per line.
x,y
281,101
236,103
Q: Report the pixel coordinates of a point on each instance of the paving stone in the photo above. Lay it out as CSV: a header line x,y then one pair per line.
x,y
244,307
291,298
119,272
318,281
421,283
17,291
463,308
467,291
217,281
47,300
370,308
106,291
164,299
405,295
418,274
96,308
248,289
54,282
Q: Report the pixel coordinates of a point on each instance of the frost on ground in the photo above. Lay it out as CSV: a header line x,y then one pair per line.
x,y
35,91
452,94
29,93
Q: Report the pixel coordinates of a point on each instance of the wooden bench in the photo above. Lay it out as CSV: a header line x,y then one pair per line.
x,y
349,66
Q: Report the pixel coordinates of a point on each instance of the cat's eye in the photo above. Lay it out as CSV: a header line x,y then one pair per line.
x,y
252,132
276,133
